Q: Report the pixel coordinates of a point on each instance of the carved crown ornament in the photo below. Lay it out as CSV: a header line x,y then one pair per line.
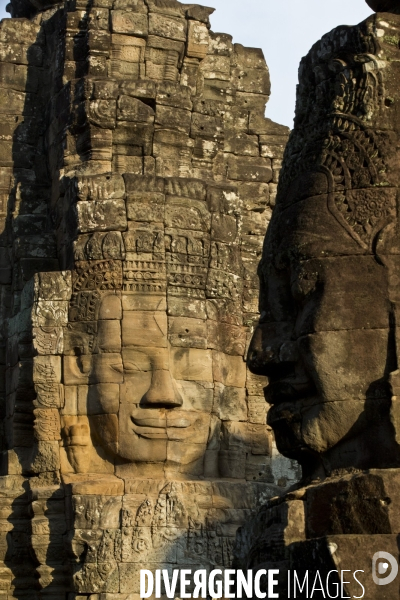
x,y
345,145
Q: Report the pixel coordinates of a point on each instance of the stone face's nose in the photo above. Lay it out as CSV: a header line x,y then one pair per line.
x,y
392,6
162,391
271,352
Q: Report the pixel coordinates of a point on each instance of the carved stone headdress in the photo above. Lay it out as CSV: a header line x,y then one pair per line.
x,y
182,238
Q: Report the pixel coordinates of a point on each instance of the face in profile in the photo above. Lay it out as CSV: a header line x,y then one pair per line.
x,y
326,335
155,346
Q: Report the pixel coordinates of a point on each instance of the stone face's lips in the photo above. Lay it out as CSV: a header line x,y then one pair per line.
x,y
152,433
160,423
278,392
179,422
286,391
287,412
156,422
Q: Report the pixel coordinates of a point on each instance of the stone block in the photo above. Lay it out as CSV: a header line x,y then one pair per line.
x,y
99,42
47,369
133,109
144,359
149,302
230,403
130,67
196,395
134,5
184,307
47,424
173,118
46,457
198,40
249,169
108,338
200,13
257,409
99,368
187,215
99,187
258,468
93,485
205,126
229,339
224,228
70,400
247,438
186,332
107,215
241,144
131,23
216,67
127,48
146,206
192,364
255,195
97,399
50,313
15,77
49,394
340,505
249,58
89,512
134,134
168,27
229,370
144,328
220,44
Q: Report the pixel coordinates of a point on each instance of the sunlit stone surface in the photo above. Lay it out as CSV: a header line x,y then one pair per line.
x,y
137,177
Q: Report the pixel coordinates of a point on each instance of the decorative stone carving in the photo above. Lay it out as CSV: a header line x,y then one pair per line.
x,y
328,333
136,172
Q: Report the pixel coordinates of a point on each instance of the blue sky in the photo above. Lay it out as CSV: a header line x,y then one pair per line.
x,y
285,29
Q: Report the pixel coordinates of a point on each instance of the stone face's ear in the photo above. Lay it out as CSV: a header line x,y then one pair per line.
x,y
76,434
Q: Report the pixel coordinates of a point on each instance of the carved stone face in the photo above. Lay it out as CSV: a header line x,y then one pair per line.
x,y
157,332
165,391
328,335
324,338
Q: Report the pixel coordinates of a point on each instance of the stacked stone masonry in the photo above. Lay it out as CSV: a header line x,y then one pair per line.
x,y
328,336
137,176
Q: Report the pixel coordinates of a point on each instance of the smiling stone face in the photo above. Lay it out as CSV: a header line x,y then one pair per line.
x,y
328,333
137,175
154,350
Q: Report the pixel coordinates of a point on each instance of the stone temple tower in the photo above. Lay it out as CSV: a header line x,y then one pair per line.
x,y
137,176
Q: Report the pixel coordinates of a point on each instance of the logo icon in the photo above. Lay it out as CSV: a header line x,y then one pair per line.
x,y
381,562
